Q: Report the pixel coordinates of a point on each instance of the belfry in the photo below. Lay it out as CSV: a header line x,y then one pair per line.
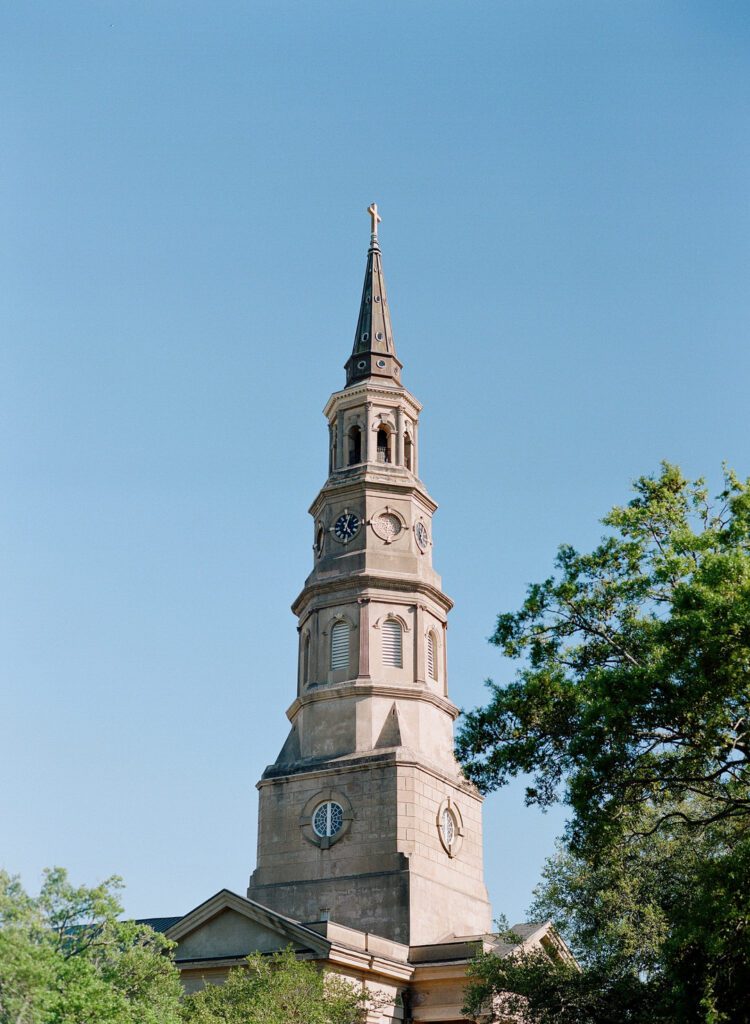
x,y
365,816
369,837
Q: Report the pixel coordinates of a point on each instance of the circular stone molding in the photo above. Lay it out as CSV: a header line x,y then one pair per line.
x,y
450,826
387,524
308,821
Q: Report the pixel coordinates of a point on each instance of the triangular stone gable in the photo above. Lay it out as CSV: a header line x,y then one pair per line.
x,y
390,734
290,752
230,926
532,936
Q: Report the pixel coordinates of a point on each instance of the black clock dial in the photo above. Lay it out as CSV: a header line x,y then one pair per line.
x,y
346,526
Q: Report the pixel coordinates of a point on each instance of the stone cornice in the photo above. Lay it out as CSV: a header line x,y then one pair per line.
x,y
368,689
369,477
213,963
402,757
358,393
345,956
365,581
447,971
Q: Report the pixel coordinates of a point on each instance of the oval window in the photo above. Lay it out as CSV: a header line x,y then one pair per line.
x,y
448,828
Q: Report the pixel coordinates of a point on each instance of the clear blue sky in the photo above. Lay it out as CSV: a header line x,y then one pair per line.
x,y
566,238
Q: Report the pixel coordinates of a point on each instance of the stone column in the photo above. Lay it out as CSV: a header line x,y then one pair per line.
x,y
319,659
339,439
368,444
419,666
364,637
399,457
445,659
300,659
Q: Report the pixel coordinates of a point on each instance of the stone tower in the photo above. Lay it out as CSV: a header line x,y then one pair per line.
x,y
365,817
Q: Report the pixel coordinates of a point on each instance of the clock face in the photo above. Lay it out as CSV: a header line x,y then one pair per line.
x,y
346,526
423,537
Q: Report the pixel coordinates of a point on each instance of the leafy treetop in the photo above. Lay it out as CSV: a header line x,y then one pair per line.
x,y
634,693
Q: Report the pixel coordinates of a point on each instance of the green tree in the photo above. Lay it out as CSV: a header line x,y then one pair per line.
x,y
529,987
635,687
632,705
277,990
669,910
65,958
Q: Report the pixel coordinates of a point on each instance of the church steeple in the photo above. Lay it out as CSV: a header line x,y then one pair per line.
x,y
374,352
365,817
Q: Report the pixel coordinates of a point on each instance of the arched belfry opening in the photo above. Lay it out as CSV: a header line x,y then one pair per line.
x,y
384,444
333,433
355,446
408,454
306,661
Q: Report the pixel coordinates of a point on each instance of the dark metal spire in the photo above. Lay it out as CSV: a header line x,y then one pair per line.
x,y
374,353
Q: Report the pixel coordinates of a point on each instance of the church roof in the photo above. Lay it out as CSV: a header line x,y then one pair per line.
x,y
159,924
374,351
226,928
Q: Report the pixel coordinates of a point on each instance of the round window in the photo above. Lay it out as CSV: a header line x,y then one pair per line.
x,y
327,819
387,525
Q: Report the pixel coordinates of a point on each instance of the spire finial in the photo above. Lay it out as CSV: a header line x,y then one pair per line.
x,y
375,219
374,354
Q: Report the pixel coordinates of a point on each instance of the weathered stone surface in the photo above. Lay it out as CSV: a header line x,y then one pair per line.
x,y
368,724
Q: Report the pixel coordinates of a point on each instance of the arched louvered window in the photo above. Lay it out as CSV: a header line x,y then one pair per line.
x,y
392,643
431,658
340,646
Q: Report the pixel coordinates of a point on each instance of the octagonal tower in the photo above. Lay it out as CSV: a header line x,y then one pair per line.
x,y
365,817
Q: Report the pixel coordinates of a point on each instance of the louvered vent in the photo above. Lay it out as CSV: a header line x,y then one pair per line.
x,y
392,643
431,656
340,646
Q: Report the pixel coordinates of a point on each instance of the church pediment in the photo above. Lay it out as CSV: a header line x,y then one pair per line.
x,y
228,927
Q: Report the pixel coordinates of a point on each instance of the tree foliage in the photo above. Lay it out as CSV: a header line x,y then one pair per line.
x,y
529,987
277,990
635,687
632,704
65,958
668,909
